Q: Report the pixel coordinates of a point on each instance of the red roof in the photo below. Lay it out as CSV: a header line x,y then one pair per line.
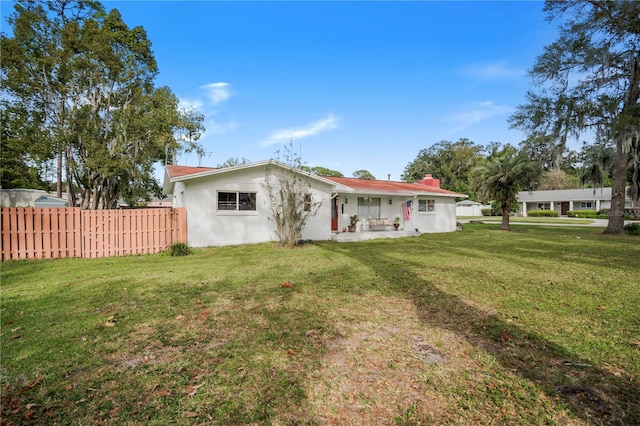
x,y
426,186
388,186
177,171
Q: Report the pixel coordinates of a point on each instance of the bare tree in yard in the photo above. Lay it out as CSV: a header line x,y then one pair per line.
x,y
291,198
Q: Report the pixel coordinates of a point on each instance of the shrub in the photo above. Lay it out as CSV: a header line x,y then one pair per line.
x,y
542,213
179,249
632,212
632,229
486,212
588,214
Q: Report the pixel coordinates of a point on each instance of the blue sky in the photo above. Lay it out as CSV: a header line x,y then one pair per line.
x,y
354,85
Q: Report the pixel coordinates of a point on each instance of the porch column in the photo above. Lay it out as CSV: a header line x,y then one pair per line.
x,y
524,209
597,205
571,205
551,206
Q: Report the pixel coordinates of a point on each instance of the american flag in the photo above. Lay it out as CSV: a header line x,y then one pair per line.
x,y
406,210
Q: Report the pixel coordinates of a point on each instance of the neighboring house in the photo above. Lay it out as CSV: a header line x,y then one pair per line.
x,y
470,208
157,202
230,205
29,198
564,200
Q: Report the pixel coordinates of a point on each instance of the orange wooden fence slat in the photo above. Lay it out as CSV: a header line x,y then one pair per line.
x,y
32,233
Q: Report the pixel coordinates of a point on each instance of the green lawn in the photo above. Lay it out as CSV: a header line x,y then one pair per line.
x,y
540,325
518,219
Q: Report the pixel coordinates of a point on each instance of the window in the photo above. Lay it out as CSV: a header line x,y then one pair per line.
x,y
544,206
369,207
238,201
586,204
307,202
426,205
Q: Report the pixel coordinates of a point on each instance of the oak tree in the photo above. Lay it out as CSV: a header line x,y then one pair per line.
x,y
82,81
588,82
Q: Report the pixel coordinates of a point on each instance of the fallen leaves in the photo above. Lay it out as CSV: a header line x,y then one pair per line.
x,y
12,400
191,390
111,321
164,392
286,284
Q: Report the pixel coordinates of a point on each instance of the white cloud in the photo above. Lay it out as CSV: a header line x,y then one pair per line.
x,y
188,104
214,126
218,92
208,105
481,112
285,135
493,70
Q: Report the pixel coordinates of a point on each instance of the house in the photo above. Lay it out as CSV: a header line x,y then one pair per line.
x,y
30,198
470,208
564,200
230,205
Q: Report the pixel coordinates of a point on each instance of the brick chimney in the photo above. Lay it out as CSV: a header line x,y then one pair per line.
x,y
429,181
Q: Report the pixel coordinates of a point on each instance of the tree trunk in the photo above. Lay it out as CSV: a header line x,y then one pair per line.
x,y
59,175
616,213
506,212
71,194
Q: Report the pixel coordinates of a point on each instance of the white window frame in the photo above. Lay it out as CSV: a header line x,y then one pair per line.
x,y
308,200
586,204
426,205
253,207
364,207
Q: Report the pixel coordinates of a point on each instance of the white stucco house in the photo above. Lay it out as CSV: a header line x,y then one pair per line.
x,y
564,200
230,205
470,208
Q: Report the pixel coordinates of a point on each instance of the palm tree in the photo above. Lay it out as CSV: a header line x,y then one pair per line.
x,y
500,178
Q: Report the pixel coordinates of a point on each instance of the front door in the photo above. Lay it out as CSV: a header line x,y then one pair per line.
x,y
334,214
565,208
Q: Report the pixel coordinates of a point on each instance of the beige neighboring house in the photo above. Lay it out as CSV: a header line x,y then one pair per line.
x,y
564,200
230,205
30,198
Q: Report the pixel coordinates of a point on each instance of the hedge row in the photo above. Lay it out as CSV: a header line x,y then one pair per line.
x,y
542,213
629,212
587,214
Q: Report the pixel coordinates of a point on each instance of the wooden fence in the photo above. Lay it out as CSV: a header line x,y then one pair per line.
x,y
36,233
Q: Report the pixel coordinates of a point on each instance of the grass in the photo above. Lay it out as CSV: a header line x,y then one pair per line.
x,y
529,219
540,325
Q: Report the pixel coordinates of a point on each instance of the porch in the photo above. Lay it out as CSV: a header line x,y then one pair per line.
x,y
343,237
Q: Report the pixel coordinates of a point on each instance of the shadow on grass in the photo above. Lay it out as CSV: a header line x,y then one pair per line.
x,y
590,392
581,245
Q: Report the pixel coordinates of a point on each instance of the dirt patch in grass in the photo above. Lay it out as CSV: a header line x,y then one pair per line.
x,y
375,372
391,368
